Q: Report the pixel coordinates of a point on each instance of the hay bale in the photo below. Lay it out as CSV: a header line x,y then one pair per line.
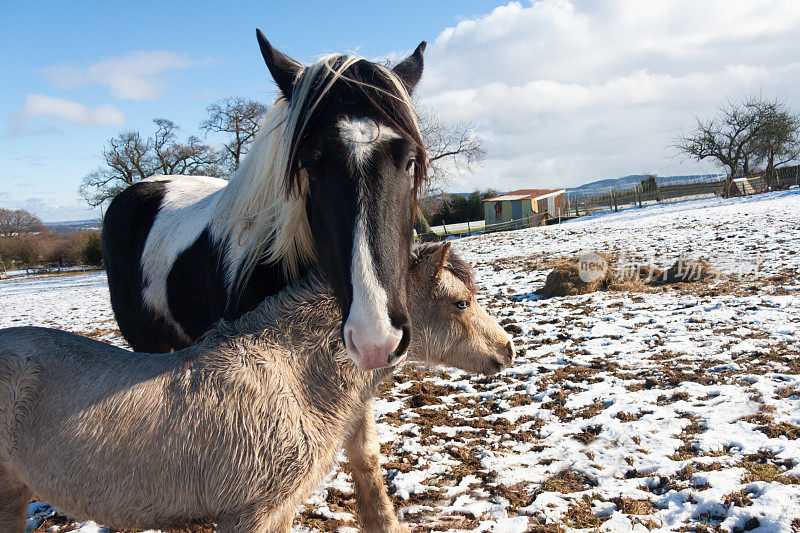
x,y
593,272
579,275
649,273
690,271
638,274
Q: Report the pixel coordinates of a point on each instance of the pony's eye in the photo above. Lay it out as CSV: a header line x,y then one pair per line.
x,y
462,304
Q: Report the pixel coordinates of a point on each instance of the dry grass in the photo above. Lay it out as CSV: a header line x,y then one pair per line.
x,y
738,499
782,429
631,506
567,481
579,514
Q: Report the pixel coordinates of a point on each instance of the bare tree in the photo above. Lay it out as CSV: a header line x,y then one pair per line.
x,y
14,222
777,141
239,117
453,148
726,138
128,158
742,136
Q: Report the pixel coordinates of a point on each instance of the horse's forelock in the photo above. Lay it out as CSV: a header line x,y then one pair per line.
x,y
384,93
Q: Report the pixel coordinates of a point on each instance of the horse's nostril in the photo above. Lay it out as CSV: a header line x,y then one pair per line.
x,y
403,346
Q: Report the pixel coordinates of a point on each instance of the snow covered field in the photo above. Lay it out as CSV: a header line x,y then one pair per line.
x,y
672,409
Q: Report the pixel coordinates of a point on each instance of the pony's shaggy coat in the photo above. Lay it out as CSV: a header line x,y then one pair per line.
x,y
236,429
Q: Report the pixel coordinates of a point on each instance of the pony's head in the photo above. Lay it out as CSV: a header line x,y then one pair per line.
x,y
450,326
356,154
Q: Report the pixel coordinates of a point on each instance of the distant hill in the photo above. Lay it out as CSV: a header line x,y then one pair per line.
x,y
74,225
627,182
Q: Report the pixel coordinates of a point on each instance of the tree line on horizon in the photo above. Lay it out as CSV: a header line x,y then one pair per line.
x,y
25,242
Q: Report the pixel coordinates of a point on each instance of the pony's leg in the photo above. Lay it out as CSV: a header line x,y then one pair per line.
x,y
257,520
361,447
14,498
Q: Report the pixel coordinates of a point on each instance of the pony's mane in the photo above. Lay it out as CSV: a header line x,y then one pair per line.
x,y
263,215
454,264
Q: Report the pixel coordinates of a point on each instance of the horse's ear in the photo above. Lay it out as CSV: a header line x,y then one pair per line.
x,y
440,259
410,69
283,68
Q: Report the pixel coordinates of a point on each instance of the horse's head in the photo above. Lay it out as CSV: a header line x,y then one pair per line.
x,y
357,153
450,326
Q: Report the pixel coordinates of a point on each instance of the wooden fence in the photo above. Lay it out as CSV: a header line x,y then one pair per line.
x,y
638,196
534,219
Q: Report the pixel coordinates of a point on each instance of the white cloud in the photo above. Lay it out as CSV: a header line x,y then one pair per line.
x,y
568,91
135,76
39,106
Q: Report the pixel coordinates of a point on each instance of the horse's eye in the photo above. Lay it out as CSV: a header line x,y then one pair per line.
x,y
410,166
462,304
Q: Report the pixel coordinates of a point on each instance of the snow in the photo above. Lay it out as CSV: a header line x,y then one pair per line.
x,y
686,397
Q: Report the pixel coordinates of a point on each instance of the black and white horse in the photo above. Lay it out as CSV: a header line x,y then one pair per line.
x,y
331,178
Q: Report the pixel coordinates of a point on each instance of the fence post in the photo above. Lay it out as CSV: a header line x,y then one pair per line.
x,y
444,228
469,231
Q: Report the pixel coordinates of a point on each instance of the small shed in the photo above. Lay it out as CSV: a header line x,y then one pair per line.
x,y
518,205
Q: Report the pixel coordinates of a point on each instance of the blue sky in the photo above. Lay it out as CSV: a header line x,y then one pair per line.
x,y
561,91
216,55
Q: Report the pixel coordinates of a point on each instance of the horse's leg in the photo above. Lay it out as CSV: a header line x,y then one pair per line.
x,y
14,498
361,447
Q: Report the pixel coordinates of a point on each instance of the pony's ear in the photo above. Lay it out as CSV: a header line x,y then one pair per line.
x,y
440,259
410,69
283,68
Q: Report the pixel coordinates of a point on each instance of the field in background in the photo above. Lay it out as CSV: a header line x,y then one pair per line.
x,y
673,409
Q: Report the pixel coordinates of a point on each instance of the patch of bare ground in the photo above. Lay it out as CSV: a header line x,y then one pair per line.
x,y
588,434
544,527
425,393
311,518
580,515
518,495
739,498
787,392
633,506
56,521
781,429
632,417
566,482
766,466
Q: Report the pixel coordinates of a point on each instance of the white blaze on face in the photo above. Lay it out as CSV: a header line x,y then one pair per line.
x,y
369,335
361,136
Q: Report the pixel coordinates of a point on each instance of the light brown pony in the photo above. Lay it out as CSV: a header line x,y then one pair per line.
x,y
237,429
